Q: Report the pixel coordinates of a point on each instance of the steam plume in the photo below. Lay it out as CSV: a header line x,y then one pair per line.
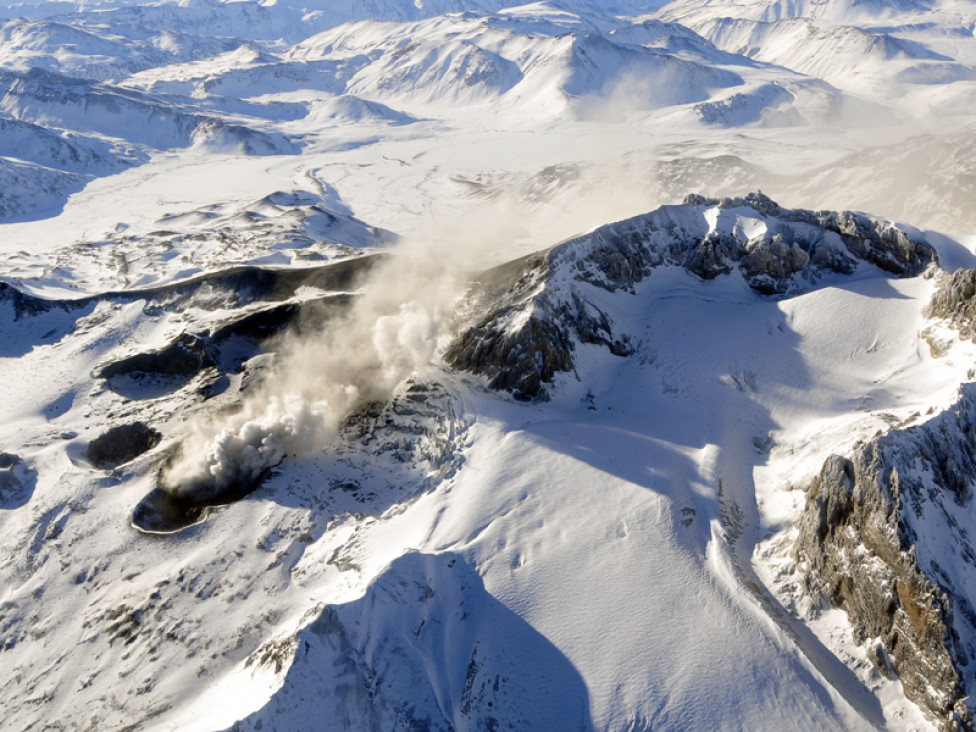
x,y
392,329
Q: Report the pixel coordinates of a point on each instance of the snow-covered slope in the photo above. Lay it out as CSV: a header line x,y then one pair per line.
x,y
868,48
508,506
438,365
92,53
523,61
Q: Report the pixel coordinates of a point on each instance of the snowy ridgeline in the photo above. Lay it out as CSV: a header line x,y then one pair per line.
x,y
529,331
87,91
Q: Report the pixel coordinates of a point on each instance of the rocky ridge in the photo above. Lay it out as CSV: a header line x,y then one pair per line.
x,y
540,307
884,536
870,540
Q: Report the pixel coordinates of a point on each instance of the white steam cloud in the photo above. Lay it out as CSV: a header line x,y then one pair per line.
x,y
395,326
390,331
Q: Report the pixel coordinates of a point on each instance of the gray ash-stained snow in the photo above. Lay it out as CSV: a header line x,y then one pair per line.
x,y
121,444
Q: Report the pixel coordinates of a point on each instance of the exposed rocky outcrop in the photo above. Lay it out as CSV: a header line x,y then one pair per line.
x,y
536,310
25,305
517,345
419,427
955,301
418,430
226,347
235,287
262,300
884,536
789,249
181,359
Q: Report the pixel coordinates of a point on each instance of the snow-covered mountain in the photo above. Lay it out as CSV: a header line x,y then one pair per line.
x,y
440,365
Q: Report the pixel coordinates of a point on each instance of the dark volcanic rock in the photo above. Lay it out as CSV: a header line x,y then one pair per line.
x,y
851,544
533,312
162,513
231,288
529,332
121,444
156,373
225,348
884,536
183,358
519,361
865,238
771,260
516,356
25,305
711,257
240,286
31,320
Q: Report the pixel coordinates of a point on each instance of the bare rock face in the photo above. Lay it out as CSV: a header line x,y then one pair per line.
x,y
955,301
531,329
518,349
852,548
182,358
879,242
885,537
533,313
520,361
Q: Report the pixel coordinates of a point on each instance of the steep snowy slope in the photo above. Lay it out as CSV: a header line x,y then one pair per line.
x,y
863,47
292,20
174,88
76,153
530,63
77,130
41,166
829,11
60,101
827,52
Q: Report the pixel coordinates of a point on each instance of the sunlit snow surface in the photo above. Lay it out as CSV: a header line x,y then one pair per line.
x,y
609,559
